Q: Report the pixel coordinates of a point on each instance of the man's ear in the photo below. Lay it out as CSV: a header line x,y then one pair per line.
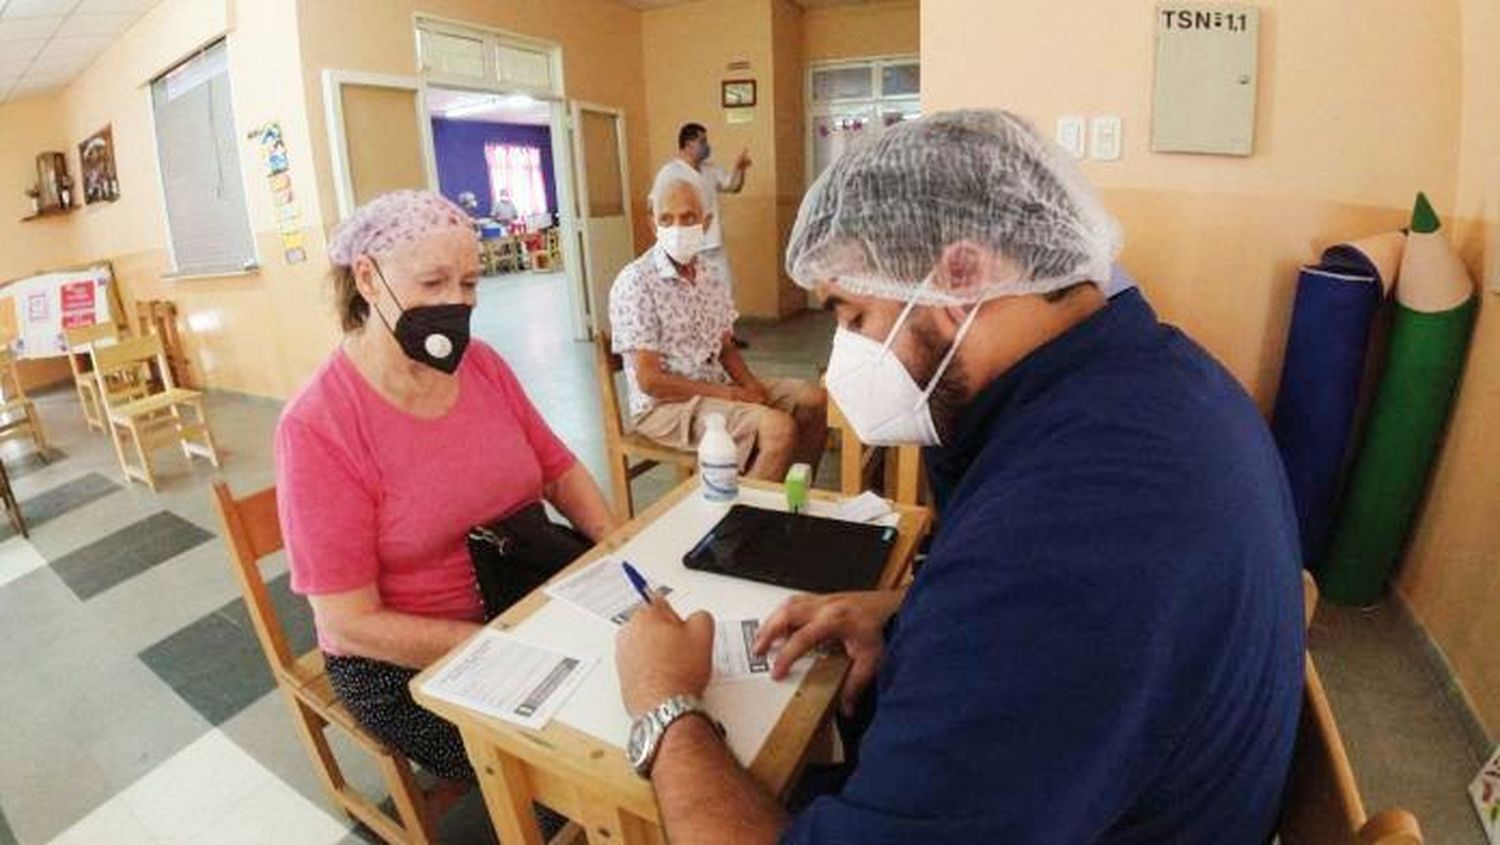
x,y
708,220
963,269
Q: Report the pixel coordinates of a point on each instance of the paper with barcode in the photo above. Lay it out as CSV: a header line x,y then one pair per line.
x,y
604,590
734,652
499,675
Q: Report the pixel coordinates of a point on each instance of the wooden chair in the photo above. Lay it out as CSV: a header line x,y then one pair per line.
x,y
252,532
18,416
629,454
81,340
903,463
159,317
149,421
1322,804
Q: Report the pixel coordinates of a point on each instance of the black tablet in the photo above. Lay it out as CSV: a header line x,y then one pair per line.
x,y
801,552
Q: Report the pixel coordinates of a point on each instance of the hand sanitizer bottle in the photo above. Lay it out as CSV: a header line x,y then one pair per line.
x,y
718,461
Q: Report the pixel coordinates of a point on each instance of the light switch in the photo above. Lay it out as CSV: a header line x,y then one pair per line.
x,y
1104,138
1070,135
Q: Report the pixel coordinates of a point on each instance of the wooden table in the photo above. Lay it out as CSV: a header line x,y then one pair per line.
x,y
588,779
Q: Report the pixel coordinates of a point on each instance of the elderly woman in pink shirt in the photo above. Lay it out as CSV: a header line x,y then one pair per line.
x,y
408,435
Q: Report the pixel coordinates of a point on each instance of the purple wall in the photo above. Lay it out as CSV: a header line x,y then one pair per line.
x,y
459,145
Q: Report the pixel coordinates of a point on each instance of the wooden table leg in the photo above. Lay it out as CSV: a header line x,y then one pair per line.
x,y
507,795
610,825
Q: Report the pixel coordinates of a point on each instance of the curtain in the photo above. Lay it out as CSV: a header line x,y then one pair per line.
x,y
517,169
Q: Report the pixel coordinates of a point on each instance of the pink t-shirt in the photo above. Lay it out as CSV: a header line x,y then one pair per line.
x,y
369,494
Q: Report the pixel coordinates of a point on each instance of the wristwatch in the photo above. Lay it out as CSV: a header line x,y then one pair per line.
x,y
647,731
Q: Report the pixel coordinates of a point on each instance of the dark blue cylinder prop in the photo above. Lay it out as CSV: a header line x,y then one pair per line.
x,y
1320,383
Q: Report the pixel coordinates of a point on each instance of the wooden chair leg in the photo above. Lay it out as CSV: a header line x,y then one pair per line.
x,y
38,436
619,482
208,434
117,437
144,455
411,806
849,463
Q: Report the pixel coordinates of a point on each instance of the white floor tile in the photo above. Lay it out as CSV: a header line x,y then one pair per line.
x,y
18,557
277,813
206,791
112,823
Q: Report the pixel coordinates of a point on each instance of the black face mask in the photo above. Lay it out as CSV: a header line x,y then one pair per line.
x,y
435,335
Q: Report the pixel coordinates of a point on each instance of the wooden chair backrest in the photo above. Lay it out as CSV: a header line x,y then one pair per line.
x,y
135,355
1322,802
252,531
606,365
10,377
83,335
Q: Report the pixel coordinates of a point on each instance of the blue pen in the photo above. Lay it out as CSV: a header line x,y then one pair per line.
x,y
637,580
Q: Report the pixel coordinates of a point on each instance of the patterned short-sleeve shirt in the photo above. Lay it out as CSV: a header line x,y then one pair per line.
x,y
652,308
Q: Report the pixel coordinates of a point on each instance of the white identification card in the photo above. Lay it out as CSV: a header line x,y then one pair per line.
x,y
501,676
734,651
604,590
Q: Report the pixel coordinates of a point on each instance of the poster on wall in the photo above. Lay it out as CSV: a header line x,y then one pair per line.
x,y
35,311
272,146
96,157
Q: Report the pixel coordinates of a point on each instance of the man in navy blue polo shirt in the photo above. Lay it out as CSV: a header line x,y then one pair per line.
x,y
1105,642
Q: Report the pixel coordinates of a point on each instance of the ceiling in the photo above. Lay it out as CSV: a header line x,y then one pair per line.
x,y
44,44
494,108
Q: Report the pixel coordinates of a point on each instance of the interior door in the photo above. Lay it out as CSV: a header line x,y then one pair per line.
x,y
366,107
602,191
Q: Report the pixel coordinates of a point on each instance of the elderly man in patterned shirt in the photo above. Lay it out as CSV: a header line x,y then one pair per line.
x,y
673,321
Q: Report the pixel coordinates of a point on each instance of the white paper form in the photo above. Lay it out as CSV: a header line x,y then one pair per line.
x,y
748,710
511,679
734,653
866,507
604,590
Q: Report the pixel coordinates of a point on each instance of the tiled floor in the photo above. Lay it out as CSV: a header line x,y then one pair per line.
x,y
137,707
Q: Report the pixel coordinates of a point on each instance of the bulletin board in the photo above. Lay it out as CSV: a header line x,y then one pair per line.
x,y
35,310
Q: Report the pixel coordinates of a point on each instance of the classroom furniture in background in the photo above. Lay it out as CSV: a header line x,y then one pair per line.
x,y
154,419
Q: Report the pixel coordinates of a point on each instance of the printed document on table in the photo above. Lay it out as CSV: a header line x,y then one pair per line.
x,y
499,675
603,590
734,652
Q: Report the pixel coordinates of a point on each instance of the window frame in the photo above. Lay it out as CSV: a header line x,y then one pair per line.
x,y
253,264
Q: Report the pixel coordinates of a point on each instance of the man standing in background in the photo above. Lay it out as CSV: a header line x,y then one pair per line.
x,y
692,162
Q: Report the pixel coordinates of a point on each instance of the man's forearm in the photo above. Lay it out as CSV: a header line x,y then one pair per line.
x,y
705,795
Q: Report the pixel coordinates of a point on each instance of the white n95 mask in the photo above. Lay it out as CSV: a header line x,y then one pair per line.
x,y
875,392
680,242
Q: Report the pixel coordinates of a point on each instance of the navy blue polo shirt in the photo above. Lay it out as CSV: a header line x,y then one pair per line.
x,y
1105,643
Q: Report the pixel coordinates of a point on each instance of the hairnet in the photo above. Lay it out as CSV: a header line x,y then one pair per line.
x,y
392,219
877,220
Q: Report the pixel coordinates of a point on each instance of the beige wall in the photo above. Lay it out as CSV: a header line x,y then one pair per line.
x,y
869,29
260,332
601,46
1347,130
688,48
1452,570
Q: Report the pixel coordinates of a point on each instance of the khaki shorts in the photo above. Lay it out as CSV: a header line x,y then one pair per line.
x,y
680,424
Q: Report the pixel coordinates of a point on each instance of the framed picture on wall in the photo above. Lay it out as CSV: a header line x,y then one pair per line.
x,y
737,92
96,158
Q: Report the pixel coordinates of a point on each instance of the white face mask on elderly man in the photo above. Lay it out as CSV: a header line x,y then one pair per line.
x,y
875,392
681,242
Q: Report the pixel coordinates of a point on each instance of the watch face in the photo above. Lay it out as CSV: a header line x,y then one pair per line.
x,y
635,748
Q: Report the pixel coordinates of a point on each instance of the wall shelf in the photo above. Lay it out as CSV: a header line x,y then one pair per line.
x,y
49,212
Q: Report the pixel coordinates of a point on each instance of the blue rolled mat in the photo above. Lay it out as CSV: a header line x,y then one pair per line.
x,y
1320,380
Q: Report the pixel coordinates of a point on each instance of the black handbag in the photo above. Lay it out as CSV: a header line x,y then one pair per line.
x,y
516,554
